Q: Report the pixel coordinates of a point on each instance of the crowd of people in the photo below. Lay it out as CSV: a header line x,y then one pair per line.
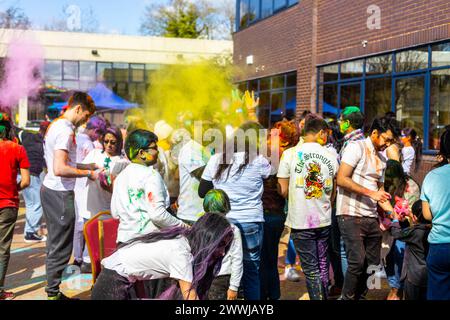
x,y
196,222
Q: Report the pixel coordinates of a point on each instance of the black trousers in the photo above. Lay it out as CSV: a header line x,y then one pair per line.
x,y
111,286
270,279
362,239
413,292
59,213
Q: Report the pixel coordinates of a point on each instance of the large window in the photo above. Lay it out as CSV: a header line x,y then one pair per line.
x,y
413,83
277,97
250,11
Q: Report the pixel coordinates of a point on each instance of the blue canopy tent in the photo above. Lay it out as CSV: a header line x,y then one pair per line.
x,y
105,100
328,108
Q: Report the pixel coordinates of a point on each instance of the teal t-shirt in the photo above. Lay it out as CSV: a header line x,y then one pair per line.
x,y
436,191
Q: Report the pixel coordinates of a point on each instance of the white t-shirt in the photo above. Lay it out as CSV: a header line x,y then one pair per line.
x,y
157,260
244,189
84,146
311,169
408,155
60,136
192,156
96,198
139,201
232,263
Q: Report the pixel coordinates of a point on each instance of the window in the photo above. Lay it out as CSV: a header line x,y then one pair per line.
x,y
379,65
330,73
253,11
378,98
137,72
439,106
352,69
53,70
266,8
70,70
350,95
409,102
441,55
279,4
104,71
121,72
277,95
412,59
87,71
250,11
243,13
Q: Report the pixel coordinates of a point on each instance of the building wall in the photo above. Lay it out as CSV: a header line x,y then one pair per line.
x,y
342,26
319,32
118,48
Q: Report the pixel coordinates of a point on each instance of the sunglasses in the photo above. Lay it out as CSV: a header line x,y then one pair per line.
x,y
111,142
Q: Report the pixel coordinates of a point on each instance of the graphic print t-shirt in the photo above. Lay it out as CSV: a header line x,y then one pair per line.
x,y
311,169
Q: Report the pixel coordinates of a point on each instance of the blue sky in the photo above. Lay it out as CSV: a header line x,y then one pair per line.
x,y
114,16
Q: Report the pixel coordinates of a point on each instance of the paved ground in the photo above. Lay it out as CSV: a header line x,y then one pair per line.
x,y
26,275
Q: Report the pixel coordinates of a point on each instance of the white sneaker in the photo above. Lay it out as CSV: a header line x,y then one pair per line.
x,y
291,274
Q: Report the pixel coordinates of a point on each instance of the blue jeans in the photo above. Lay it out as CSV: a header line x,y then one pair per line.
x,y
312,248
291,255
32,197
252,238
438,264
344,261
394,264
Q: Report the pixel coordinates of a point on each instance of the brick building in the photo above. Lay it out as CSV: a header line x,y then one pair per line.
x,y
323,55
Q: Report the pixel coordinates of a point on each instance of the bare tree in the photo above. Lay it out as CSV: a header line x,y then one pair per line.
x,y
14,18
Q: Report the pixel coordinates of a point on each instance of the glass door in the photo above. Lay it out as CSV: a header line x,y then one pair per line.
x,y
350,95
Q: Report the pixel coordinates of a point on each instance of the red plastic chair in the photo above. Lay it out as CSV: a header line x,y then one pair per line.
x,y
100,234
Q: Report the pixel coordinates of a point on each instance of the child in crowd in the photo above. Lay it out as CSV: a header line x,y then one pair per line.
x,y
414,272
411,151
226,285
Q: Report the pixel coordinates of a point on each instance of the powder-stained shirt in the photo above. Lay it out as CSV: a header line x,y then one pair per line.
x,y
60,136
369,166
139,201
13,157
311,169
157,260
192,156
244,189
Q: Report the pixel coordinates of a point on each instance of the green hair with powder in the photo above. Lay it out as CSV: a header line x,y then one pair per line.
x,y
217,201
138,140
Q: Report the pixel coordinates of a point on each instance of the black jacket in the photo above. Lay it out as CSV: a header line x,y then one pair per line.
x,y
414,264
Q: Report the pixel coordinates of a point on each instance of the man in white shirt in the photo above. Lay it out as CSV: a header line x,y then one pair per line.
x,y
306,176
360,188
57,193
192,161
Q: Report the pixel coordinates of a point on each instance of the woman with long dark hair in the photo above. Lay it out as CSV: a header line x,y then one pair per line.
x,y
240,171
411,151
436,208
193,257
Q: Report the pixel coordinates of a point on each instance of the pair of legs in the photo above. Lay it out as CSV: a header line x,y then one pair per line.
x,y
32,198
438,264
312,248
362,239
270,279
8,218
59,213
252,240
